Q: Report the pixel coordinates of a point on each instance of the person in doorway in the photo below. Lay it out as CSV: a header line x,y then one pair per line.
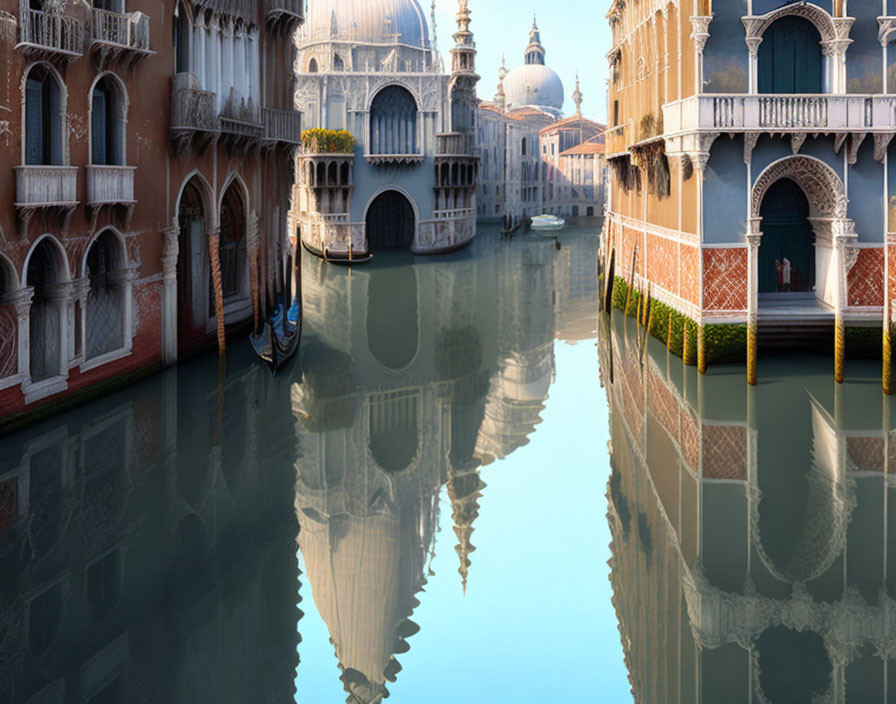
x,y
786,274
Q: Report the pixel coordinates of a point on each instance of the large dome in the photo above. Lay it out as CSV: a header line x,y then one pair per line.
x,y
533,85
373,21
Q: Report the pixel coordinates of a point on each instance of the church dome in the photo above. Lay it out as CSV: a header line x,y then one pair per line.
x,y
533,85
371,21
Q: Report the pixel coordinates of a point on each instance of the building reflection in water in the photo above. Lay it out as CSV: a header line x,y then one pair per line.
x,y
753,555
147,541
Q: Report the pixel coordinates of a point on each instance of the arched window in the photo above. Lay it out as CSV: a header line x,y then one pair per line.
x,y
790,57
233,243
46,268
338,63
182,37
312,66
393,122
524,146
43,118
191,313
105,298
107,120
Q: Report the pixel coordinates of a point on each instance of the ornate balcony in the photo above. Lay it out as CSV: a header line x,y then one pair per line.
x,y
116,35
48,188
284,14
194,112
241,9
616,140
810,113
51,36
454,144
111,186
242,125
282,126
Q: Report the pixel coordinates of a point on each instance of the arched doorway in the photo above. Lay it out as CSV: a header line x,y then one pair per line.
x,y
191,311
787,249
790,58
46,269
105,299
391,223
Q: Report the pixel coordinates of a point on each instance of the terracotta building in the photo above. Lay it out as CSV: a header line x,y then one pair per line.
x,y
750,163
143,141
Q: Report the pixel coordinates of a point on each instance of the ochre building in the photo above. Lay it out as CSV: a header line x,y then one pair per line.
x,y
145,145
750,168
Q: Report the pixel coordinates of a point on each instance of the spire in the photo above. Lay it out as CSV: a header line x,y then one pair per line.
x,y
535,50
465,490
577,97
500,96
435,37
463,73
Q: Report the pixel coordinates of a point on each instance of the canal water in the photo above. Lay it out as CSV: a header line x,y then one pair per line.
x,y
468,487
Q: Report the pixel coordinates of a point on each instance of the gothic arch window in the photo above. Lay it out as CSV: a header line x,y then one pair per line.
x,y
107,123
190,261
338,63
45,271
313,67
232,243
790,57
104,314
44,118
182,29
393,122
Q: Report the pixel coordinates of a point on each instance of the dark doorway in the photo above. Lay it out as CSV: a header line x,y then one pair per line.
x,y
191,252
390,222
790,59
787,237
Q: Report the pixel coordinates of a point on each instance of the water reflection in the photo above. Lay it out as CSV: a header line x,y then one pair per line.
x,y
753,555
147,541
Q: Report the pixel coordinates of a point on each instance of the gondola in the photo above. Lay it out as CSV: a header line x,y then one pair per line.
x,y
278,340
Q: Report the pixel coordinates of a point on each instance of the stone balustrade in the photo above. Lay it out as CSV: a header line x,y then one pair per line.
x,y
284,126
454,214
454,144
110,184
191,107
50,34
749,113
128,31
50,186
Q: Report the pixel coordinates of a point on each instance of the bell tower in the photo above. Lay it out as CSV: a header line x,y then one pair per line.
x,y
463,74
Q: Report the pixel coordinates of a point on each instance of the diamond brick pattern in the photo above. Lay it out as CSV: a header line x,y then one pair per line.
x,y
663,406
725,279
866,453
690,440
690,274
662,262
866,279
725,452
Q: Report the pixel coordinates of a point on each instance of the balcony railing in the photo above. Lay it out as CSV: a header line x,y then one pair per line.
x,y
284,126
616,139
110,184
454,144
192,109
242,9
50,34
46,186
781,112
125,31
288,10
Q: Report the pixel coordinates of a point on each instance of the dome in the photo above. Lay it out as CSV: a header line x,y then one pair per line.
x,y
372,21
533,85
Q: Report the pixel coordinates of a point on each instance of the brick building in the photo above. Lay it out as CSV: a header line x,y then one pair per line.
x,y
143,142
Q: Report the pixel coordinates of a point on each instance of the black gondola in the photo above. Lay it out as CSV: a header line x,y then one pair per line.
x,y
278,340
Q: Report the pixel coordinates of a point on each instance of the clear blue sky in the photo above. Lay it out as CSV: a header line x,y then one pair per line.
x,y
574,32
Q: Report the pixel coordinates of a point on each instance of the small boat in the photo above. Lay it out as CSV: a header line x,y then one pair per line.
x,y
548,224
281,332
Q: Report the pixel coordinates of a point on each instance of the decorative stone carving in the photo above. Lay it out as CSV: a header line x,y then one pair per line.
x,y
700,33
797,141
831,28
821,184
881,144
750,140
855,143
887,29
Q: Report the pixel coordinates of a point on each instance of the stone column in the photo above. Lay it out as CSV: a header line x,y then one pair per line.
x,y
754,236
170,253
21,299
124,278
60,295
81,287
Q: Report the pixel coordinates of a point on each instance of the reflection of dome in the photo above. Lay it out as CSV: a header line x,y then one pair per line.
x,y
533,85
376,21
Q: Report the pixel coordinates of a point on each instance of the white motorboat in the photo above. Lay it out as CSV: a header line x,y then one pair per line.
x,y
548,224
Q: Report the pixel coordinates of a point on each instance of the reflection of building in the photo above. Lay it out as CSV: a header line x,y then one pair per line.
x,y
781,221
750,533
143,144
369,67
531,160
143,560
414,377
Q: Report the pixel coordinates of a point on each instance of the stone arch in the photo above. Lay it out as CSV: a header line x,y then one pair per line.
x,y
395,191
105,266
823,21
201,184
394,120
61,271
46,271
56,109
9,280
823,187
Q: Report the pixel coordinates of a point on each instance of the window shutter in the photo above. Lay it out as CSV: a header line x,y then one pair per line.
x,y
98,127
34,126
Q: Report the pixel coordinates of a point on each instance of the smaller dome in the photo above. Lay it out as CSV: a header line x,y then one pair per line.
x,y
373,21
533,85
